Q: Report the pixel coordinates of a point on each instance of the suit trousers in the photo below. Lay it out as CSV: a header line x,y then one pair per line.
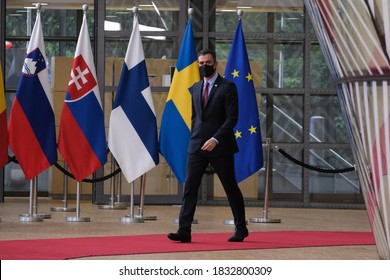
x,y
224,167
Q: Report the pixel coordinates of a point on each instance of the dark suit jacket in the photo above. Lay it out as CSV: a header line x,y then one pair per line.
x,y
217,119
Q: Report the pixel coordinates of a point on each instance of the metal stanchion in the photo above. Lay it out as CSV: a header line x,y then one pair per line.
x,y
131,218
142,201
65,207
112,205
33,216
78,218
265,218
30,217
119,191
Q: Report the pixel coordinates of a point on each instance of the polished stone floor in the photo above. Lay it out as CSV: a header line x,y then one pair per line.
x,y
107,222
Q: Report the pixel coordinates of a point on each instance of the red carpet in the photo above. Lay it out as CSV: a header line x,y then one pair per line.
x,y
70,248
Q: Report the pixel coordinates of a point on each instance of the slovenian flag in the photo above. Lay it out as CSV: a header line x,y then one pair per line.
x,y
132,136
82,138
31,127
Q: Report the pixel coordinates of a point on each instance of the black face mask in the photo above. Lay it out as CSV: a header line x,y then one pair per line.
x,y
206,70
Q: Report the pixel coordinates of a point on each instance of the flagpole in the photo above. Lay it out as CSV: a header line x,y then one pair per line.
x,y
142,200
131,218
118,178
117,204
30,217
112,205
35,212
265,218
15,145
78,218
142,192
33,204
64,208
176,221
231,221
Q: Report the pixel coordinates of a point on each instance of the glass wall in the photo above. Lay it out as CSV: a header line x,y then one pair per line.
x,y
299,109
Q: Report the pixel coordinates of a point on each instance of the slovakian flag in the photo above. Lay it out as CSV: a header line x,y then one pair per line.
x,y
3,124
31,128
132,136
176,119
249,159
82,138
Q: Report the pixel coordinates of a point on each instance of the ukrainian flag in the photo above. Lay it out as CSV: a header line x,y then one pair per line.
x,y
176,119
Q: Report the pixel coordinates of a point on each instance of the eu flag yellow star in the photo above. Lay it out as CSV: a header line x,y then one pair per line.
x,y
235,73
249,77
252,129
238,134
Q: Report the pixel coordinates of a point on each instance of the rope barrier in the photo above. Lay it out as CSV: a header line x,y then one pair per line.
x,y
208,171
101,179
67,173
315,168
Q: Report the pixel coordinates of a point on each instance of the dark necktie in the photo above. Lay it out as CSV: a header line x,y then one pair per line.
x,y
205,94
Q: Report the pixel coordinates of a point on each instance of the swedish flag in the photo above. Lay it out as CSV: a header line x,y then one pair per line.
x,y
249,159
176,119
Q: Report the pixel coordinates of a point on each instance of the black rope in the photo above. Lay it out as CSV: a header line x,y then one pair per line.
x,y
67,173
12,159
101,179
315,168
208,171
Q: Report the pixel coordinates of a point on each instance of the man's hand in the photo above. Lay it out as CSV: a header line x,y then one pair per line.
x,y
209,145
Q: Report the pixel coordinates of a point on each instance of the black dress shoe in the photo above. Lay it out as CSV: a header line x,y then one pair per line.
x,y
239,235
182,237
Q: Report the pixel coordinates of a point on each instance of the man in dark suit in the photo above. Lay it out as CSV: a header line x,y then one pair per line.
x,y
214,116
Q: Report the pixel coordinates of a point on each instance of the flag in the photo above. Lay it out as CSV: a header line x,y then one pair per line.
x,y
31,128
132,136
176,119
249,159
3,124
82,138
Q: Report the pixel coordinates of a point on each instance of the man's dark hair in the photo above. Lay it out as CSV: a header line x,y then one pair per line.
x,y
208,51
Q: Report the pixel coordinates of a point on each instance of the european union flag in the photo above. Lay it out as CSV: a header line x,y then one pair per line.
x,y
249,159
